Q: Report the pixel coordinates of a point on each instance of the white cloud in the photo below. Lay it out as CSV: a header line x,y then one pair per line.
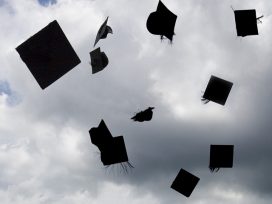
x,y
45,152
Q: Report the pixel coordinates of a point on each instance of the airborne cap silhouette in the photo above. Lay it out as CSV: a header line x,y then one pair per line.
x,y
185,183
113,149
48,54
217,90
246,22
103,32
99,60
145,115
162,22
221,156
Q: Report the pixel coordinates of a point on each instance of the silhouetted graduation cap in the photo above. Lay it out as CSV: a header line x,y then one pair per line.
x,y
113,149
103,31
145,115
246,22
99,60
162,22
217,90
221,156
185,183
48,54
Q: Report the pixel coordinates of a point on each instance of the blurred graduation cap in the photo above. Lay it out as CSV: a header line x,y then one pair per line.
x,y
48,54
246,22
99,60
217,90
185,183
162,22
113,149
221,156
103,31
145,115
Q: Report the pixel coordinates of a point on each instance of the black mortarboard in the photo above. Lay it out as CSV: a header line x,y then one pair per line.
x,y
48,54
221,156
103,31
145,115
246,22
162,22
217,90
116,152
101,136
113,149
185,183
99,60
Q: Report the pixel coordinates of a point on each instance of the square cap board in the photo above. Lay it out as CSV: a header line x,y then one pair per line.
x,y
221,156
185,183
217,90
116,152
48,54
246,22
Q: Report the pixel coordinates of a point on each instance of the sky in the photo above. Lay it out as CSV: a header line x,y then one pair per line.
x,y
46,155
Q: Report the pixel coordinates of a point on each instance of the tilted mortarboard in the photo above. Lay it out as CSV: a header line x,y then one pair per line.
x,y
103,31
185,183
113,149
145,115
48,54
162,22
246,22
217,90
99,60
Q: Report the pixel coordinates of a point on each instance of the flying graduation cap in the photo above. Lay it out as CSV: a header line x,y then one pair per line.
x,y
185,183
145,115
246,22
99,60
217,90
103,31
48,54
221,156
162,22
113,149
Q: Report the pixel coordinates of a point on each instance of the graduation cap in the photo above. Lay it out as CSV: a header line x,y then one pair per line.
x,y
221,156
99,60
113,149
185,183
103,31
162,22
48,54
145,115
246,22
217,90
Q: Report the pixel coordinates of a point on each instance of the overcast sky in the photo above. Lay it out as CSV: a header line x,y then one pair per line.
x,y
46,156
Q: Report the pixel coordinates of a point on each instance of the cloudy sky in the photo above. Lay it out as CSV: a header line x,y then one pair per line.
x,y
46,156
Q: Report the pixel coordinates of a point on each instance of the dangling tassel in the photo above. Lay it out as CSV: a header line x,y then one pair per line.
x,y
204,100
214,169
162,38
258,19
126,166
